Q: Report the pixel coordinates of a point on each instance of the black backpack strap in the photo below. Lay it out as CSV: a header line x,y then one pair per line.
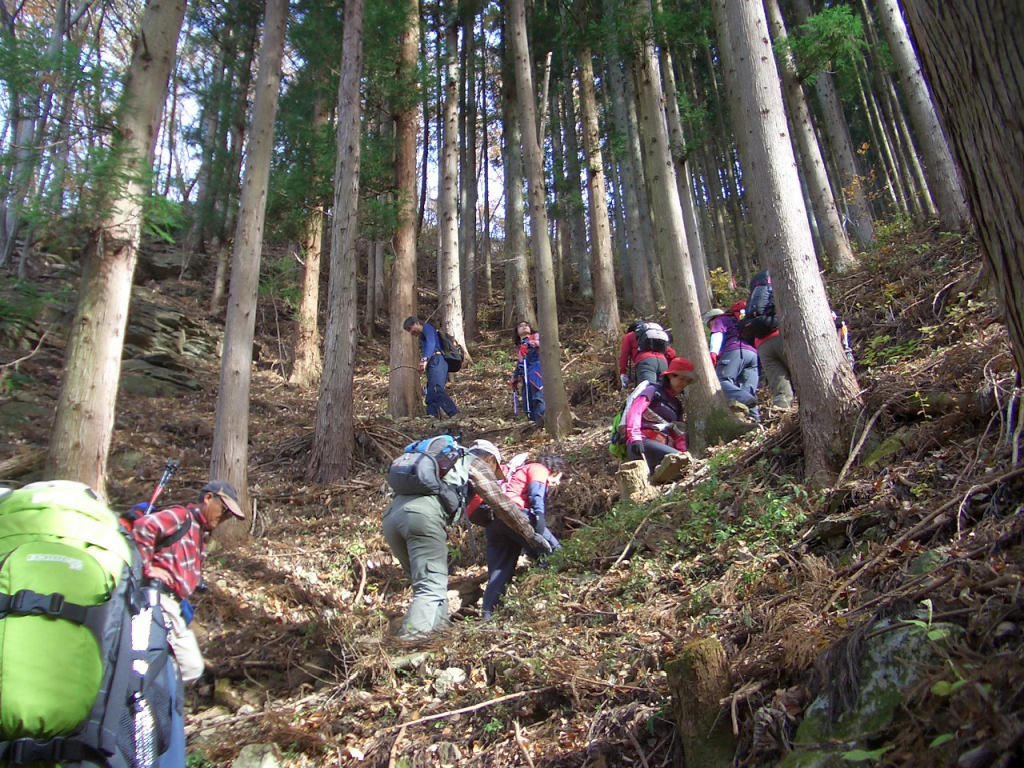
x,y
28,603
178,535
57,750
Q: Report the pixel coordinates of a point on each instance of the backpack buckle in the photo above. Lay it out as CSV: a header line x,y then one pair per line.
x,y
27,751
31,603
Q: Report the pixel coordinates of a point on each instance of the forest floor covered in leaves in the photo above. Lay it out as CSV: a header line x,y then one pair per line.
x,y
296,625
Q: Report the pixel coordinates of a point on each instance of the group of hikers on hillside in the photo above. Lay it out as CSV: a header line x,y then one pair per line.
x,y
437,482
120,587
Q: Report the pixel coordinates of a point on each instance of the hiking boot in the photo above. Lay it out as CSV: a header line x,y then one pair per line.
x,y
672,467
739,408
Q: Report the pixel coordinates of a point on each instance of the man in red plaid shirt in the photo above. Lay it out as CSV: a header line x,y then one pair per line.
x,y
177,566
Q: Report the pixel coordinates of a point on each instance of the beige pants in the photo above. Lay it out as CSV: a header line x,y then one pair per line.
x,y
184,645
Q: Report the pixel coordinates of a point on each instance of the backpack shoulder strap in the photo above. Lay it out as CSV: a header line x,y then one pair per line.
x,y
178,535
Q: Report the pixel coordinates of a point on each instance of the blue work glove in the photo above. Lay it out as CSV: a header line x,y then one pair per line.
x,y
625,380
540,545
188,612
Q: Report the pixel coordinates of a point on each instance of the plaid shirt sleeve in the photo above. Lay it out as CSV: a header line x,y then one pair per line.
x,y
182,559
485,483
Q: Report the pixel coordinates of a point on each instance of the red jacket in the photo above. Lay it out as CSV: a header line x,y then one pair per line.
x,y
631,351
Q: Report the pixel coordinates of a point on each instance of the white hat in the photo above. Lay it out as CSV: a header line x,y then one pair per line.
x,y
485,448
711,314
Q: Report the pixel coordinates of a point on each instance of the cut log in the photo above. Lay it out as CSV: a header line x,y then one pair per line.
x,y
634,482
698,680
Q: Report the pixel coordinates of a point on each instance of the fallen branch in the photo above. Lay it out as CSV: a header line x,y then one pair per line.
x,y
39,345
522,745
362,581
23,463
393,754
923,525
636,746
473,708
860,444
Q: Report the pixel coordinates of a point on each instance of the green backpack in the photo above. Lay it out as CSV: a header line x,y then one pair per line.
x,y
617,438
83,647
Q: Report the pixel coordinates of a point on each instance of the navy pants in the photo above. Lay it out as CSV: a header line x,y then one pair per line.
x,y
503,549
737,373
437,399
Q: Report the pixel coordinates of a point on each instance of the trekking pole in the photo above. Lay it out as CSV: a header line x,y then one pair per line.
x,y
526,390
515,401
165,478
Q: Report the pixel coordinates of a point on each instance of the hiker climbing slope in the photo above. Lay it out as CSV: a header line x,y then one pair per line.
x,y
653,428
415,529
735,360
433,364
761,327
177,568
528,375
527,487
646,349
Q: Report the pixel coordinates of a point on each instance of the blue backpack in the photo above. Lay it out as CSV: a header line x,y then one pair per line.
x,y
432,467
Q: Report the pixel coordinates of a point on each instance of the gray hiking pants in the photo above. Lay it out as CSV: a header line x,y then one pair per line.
x,y
414,527
776,370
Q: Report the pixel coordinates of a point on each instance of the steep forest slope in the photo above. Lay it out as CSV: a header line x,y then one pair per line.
x,y
788,586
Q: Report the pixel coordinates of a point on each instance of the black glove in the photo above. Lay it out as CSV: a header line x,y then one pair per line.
x,y
635,451
541,545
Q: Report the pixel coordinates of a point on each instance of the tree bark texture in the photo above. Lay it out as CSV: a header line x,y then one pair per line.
x,y
833,237
557,417
449,284
973,56
334,433
518,302
940,170
403,397
307,364
824,382
84,422
606,308
230,453
468,164
707,417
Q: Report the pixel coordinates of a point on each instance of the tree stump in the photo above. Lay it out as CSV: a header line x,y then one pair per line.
x,y
634,482
699,680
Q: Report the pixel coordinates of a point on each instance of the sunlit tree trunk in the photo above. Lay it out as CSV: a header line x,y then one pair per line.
x,y
708,419
518,302
84,422
940,171
230,452
468,162
557,417
307,364
330,459
606,309
830,228
403,397
973,56
827,389
449,287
